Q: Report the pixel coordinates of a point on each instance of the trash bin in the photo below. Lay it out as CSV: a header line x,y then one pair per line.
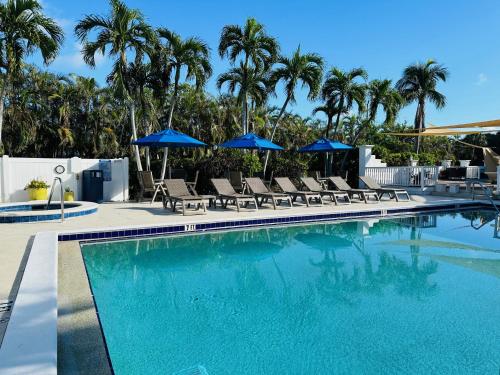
x,y
92,184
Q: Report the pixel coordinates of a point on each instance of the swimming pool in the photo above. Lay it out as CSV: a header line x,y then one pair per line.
x,y
417,294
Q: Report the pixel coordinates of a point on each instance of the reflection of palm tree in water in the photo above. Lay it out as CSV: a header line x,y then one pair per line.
x,y
408,279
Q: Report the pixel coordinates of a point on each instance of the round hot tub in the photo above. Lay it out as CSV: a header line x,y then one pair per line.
x,y
24,212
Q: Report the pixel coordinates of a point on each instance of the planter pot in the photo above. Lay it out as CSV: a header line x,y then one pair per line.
x,y
69,196
38,194
464,163
413,163
446,163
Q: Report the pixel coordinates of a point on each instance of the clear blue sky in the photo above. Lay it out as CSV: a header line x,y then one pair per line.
x,y
381,36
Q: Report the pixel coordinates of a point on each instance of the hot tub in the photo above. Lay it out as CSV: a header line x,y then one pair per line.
x,y
23,212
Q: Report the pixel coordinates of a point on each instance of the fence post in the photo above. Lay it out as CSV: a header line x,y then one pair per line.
x,y
5,179
422,178
125,181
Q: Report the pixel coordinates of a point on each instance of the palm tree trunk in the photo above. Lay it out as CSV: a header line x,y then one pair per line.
x,y
328,125
3,93
420,122
282,111
244,114
134,136
169,124
337,122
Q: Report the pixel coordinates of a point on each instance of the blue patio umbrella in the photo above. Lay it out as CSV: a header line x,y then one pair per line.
x,y
325,145
169,138
251,141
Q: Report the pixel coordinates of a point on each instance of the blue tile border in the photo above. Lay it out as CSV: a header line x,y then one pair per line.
x,y
42,217
215,226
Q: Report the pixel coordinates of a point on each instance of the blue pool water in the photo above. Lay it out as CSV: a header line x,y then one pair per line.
x,y
413,295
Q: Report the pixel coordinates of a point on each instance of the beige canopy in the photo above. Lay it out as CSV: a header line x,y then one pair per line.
x,y
491,158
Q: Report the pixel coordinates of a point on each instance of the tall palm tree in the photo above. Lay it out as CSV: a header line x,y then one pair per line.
x,y
191,54
24,29
250,82
381,93
418,84
330,109
120,32
342,88
258,49
306,69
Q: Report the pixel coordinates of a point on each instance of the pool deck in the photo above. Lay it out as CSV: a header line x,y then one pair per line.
x,y
17,238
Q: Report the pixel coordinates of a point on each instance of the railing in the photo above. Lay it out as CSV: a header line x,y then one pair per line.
x,y
62,196
487,192
404,176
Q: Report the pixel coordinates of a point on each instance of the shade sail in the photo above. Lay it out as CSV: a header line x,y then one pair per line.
x,y
437,133
251,141
324,145
169,138
481,124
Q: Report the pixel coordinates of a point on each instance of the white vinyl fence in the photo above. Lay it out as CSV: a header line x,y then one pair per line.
x,y
412,176
15,173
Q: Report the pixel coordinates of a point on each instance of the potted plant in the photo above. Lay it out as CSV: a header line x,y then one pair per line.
x,y
37,190
69,195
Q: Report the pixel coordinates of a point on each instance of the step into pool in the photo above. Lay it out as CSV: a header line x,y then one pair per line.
x,y
410,295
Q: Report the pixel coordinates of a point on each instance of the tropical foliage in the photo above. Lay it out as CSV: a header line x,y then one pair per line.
x,y
158,80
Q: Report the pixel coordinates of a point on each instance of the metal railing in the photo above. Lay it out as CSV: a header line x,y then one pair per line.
x,y
486,192
62,196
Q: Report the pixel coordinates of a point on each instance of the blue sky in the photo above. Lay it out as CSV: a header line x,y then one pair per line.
x,y
380,36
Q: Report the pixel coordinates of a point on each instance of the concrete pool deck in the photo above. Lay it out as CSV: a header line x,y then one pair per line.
x,y
17,238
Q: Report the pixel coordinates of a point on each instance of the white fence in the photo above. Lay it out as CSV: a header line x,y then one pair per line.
x,y
412,176
404,176
15,173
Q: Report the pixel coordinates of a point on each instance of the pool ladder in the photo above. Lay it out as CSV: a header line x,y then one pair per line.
x,y
56,179
486,192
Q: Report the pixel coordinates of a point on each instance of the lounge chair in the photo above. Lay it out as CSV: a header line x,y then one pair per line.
x,y
314,186
257,187
392,193
288,187
178,193
236,180
226,194
148,185
363,194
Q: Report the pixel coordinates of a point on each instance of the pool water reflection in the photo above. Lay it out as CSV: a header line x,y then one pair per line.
x,y
413,295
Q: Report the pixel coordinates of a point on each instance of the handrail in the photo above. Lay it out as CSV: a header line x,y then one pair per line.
x,y
62,196
486,192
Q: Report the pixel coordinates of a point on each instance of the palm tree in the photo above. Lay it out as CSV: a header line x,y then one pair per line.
x,y
24,29
191,54
306,69
250,82
257,48
330,109
381,93
123,30
342,88
418,84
